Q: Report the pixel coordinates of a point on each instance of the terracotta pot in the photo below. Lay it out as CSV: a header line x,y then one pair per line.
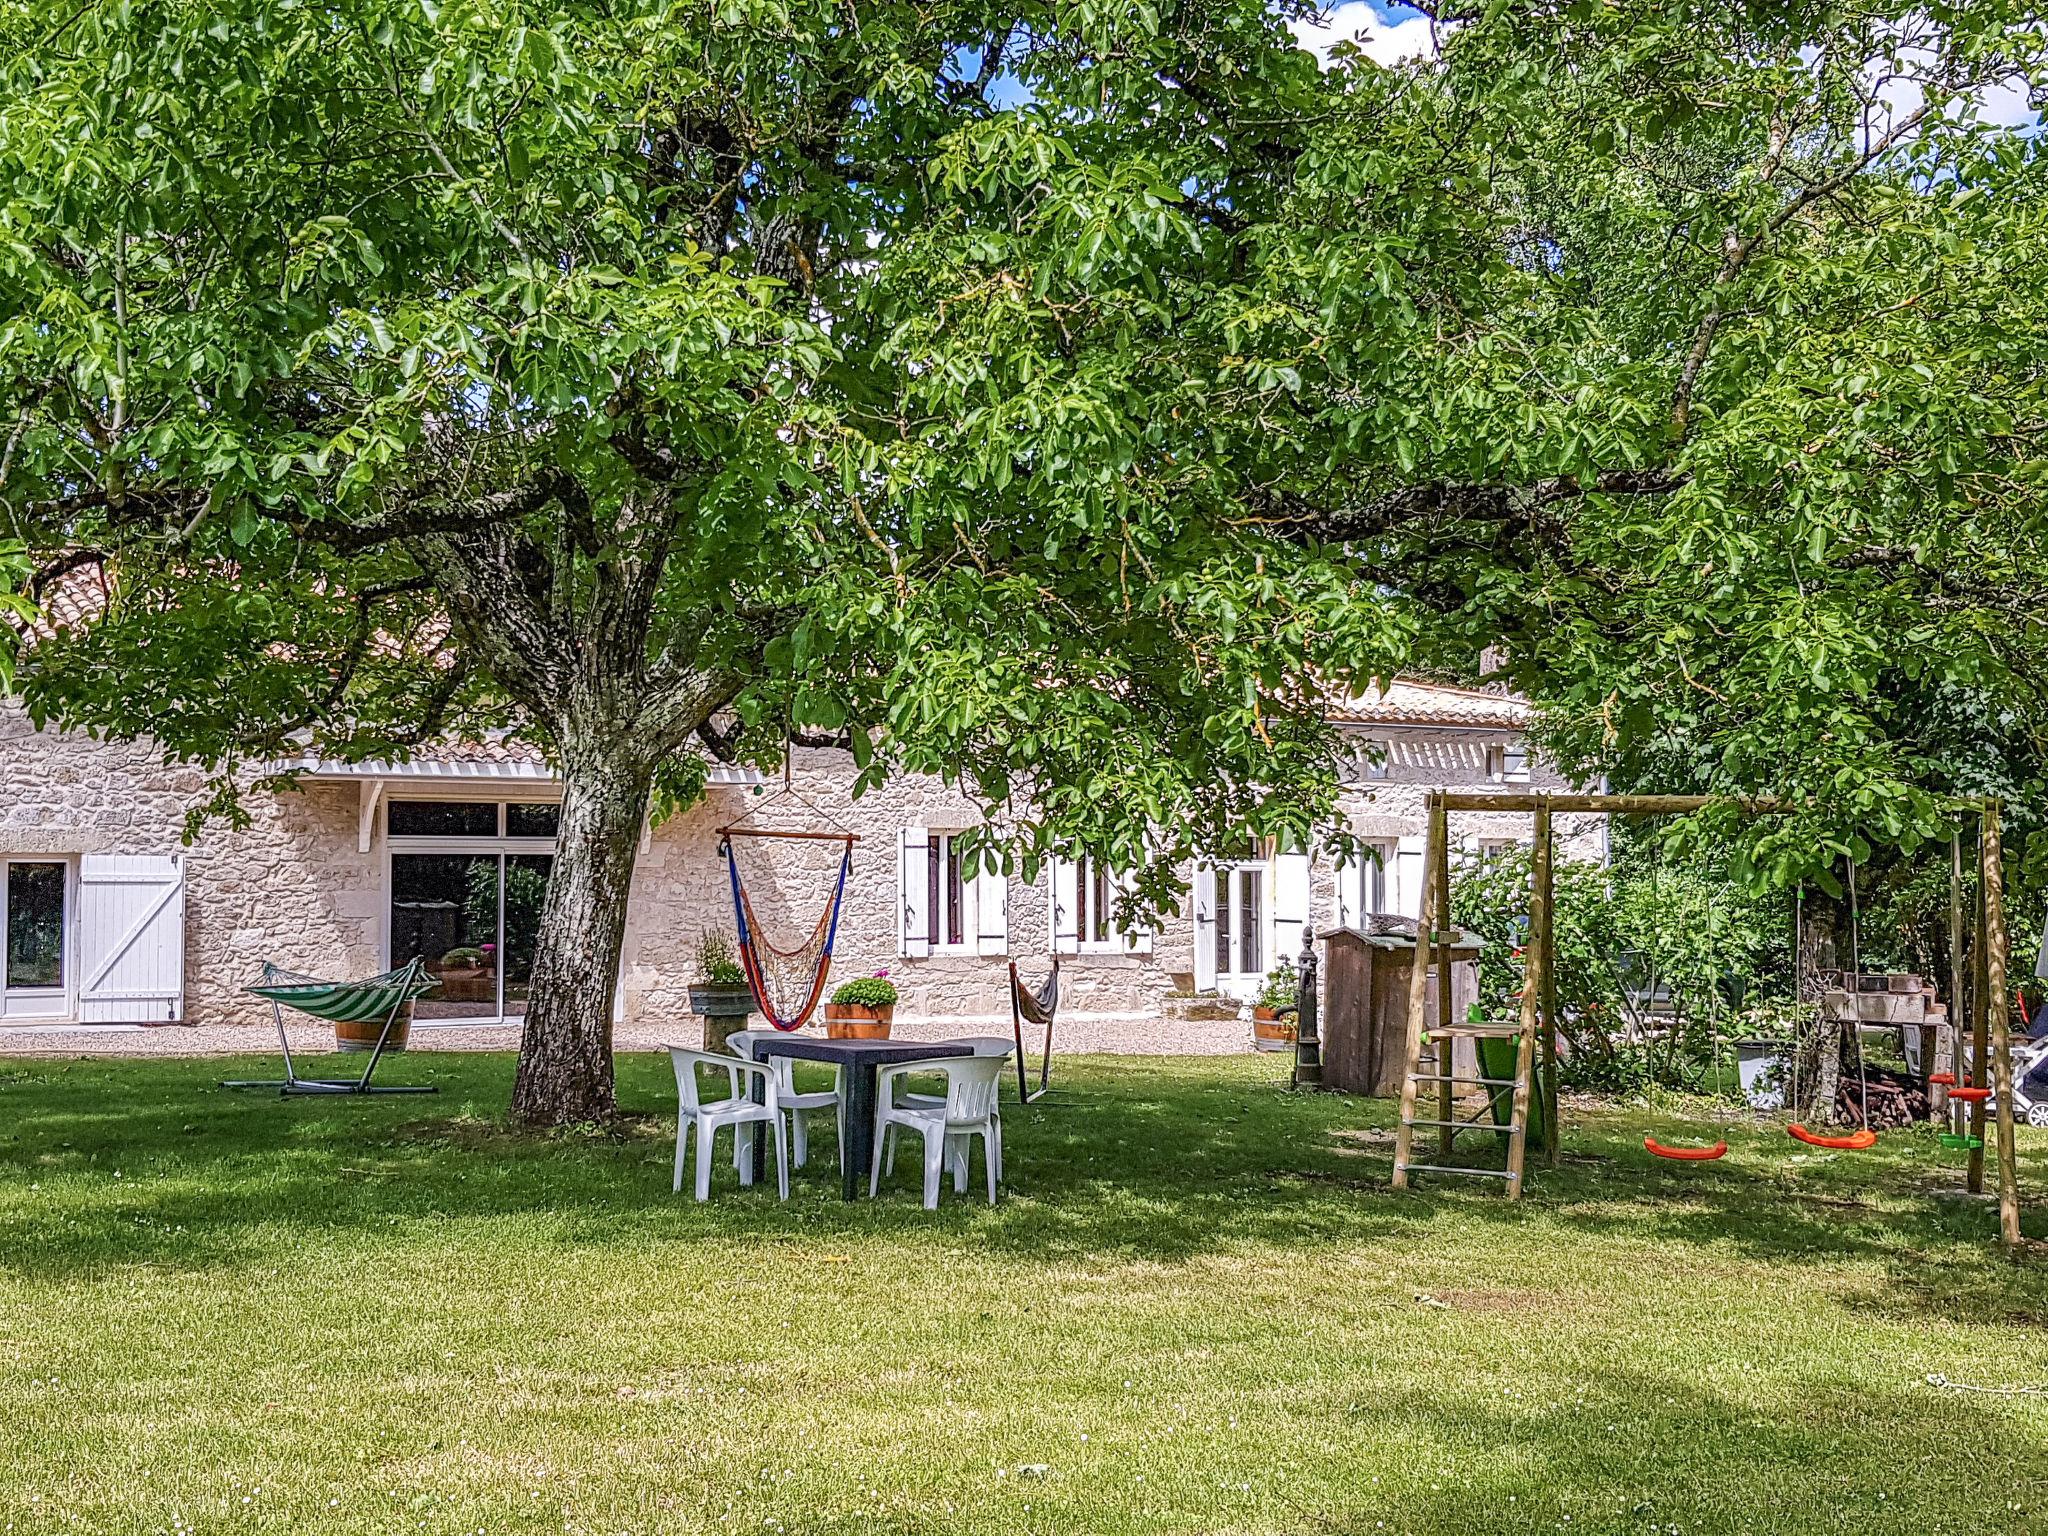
x,y
361,1034
1270,1032
850,1021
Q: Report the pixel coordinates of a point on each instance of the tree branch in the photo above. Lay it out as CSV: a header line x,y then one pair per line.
x,y
1737,250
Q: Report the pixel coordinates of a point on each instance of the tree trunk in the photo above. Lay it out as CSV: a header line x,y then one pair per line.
x,y
565,1051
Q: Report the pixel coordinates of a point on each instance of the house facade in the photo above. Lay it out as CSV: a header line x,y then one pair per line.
x,y
108,919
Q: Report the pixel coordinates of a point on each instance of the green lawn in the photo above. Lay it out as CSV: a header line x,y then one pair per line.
x,y
1198,1309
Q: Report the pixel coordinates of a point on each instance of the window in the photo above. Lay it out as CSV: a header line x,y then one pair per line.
x,y
33,967
468,881
1372,759
1493,849
949,902
1240,920
1376,878
1086,896
1508,762
946,895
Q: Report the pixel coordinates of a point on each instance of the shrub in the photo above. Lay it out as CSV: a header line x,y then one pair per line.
x,y
462,959
866,992
1282,988
717,964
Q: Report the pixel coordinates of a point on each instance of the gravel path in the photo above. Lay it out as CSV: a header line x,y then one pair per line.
x,y
1138,1037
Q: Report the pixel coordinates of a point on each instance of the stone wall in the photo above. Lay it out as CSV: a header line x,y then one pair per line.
x,y
294,887
290,887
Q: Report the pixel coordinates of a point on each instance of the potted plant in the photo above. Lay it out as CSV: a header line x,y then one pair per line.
x,y
465,975
861,1009
720,994
1273,1009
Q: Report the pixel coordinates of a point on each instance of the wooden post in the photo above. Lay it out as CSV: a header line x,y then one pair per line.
x,y
1418,997
1947,1056
1980,1020
2001,1043
1542,974
1447,1048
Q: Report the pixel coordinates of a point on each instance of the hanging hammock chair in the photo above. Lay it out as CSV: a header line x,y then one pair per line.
x,y
786,983
1038,1005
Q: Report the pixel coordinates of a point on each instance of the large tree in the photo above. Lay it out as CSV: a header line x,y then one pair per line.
x,y
1055,397
1734,441
662,381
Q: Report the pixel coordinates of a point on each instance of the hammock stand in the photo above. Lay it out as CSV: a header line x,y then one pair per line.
x,y
1036,1005
758,958
340,1002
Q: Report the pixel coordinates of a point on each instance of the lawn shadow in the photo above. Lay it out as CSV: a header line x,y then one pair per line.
x,y
133,1162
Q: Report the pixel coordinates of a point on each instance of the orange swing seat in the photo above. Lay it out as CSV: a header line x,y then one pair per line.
x,y
1685,1154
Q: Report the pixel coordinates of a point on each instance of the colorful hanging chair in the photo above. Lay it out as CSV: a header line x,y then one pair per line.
x,y
787,983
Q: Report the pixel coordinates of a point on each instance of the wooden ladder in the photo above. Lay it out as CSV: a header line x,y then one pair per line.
x,y
1448,1123
1433,943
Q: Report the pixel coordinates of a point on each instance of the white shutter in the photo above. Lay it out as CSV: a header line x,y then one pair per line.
x,y
1290,906
131,938
1066,907
1205,928
1407,895
991,911
914,892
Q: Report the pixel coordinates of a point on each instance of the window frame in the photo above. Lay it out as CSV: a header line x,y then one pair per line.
x,y
502,846
1229,943
1096,929
41,1004
1377,896
952,912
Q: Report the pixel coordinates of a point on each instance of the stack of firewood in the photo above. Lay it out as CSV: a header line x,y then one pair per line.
x,y
1895,1100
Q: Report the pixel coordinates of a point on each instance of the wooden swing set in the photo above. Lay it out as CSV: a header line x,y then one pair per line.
x,y
1534,1033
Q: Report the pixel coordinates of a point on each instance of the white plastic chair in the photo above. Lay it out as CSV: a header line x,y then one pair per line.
x,y
794,1104
1002,1047
735,1110
969,1110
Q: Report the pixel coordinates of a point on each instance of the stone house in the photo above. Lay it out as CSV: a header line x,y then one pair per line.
x,y
109,920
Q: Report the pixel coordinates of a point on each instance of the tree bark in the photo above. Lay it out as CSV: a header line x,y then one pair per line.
x,y
565,1050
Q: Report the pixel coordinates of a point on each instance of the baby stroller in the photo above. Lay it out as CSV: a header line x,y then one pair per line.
x,y
2030,1072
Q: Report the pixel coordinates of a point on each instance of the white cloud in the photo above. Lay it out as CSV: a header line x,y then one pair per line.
x,y
1388,42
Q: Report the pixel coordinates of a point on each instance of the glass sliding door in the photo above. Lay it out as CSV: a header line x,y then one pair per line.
x,y
526,887
468,880
444,910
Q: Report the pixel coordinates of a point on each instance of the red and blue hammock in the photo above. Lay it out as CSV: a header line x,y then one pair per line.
x,y
786,983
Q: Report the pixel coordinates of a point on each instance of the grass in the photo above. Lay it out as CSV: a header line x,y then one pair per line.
x,y
1199,1309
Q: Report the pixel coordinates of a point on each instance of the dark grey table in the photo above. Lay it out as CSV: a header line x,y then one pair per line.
x,y
860,1063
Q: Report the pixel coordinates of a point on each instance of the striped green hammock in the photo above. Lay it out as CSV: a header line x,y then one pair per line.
x,y
345,1002
376,998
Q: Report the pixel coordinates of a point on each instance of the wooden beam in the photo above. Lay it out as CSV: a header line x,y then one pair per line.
x,y
2001,1042
1611,805
1541,976
1418,999
1635,805
1447,1049
1980,1021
